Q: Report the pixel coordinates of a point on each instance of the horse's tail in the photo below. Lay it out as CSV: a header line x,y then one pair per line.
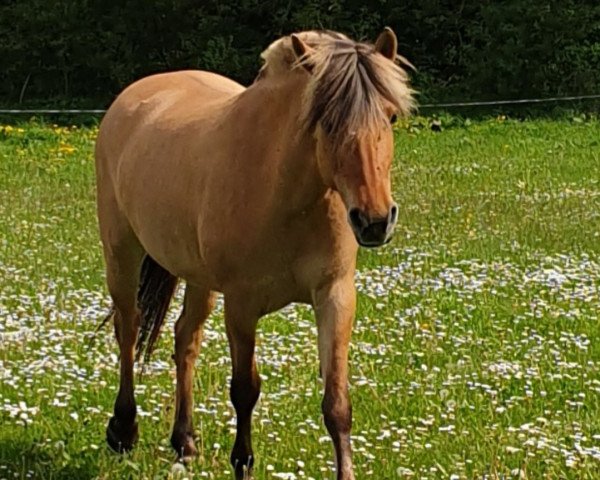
x,y
157,287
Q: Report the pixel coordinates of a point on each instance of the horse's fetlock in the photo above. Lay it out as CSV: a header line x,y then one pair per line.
x,y
126,414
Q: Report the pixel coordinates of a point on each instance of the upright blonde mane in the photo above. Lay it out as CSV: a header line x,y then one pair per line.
x,y
350,85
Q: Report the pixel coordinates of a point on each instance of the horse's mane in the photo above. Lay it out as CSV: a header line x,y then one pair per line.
x,y
350,82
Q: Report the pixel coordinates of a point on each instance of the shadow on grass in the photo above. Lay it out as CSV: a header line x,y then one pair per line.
x,y
31,459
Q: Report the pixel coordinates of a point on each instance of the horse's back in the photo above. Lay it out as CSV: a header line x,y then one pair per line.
x,y
155,117
169,101
183,90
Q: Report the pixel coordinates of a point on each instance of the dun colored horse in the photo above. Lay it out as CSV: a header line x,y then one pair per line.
x,y
262,193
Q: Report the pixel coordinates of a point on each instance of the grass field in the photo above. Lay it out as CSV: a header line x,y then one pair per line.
x,y
476,351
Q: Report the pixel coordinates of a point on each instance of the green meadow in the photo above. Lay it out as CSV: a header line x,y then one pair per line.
x,y
476,349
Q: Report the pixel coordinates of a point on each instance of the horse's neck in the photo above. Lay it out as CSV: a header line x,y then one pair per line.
x,y
290,150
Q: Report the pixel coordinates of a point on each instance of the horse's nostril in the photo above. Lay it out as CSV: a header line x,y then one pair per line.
x,y
393,216
357,219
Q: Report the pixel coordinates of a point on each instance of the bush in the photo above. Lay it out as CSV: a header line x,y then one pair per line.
x,y
91,49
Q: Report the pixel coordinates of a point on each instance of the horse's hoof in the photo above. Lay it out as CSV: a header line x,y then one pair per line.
x,y
244,473
242,464
185,447
121,438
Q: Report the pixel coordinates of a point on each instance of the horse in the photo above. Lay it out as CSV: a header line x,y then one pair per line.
x,y
262,194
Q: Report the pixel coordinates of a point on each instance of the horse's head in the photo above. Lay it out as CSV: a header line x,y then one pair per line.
x,y
354,96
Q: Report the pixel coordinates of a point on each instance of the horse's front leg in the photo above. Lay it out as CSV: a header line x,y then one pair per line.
x,y
335,305
245,381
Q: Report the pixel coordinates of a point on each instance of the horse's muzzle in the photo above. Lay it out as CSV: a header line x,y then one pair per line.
x,y
372,232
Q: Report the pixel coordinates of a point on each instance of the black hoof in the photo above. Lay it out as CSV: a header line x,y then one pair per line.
x,y
242,464
119,437
183,444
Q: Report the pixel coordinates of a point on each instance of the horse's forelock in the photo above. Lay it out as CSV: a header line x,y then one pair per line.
x,y
351,82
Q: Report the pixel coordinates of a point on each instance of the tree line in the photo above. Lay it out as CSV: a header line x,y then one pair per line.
x,y
88,50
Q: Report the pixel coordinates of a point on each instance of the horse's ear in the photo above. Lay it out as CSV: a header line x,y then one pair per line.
x,y
387,44
302,51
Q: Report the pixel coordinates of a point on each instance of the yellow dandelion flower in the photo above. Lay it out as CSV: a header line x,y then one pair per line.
x,y
65,148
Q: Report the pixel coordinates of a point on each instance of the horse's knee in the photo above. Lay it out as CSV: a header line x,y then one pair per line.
x,y
337,413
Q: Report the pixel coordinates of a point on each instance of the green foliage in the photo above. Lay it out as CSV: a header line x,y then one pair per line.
x,y
470,49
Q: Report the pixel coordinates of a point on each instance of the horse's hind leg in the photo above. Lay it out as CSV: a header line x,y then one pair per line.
x,y
123,255
197,305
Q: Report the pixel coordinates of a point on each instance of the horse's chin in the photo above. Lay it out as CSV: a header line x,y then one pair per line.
x,y
374,244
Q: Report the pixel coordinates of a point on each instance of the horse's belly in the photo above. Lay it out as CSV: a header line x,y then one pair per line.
x,y
172,243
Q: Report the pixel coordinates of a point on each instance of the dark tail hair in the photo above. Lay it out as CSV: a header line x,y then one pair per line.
x,y
157,287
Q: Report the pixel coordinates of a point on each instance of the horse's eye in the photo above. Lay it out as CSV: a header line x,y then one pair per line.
x,y
393,118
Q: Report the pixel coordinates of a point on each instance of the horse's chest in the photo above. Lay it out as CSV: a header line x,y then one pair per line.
x,y
266,268
282,258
